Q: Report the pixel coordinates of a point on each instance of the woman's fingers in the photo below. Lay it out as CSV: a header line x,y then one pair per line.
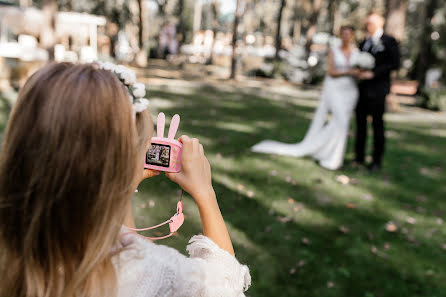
x,y
148,173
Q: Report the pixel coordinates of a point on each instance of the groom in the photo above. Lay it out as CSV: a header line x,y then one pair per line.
x,y
373,88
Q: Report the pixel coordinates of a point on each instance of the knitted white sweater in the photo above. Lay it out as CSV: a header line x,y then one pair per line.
x,y
145,269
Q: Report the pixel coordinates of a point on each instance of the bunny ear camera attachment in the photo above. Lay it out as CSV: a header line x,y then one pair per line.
x,y
165,153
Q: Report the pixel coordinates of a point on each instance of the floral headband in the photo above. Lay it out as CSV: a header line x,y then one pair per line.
x,y
136,90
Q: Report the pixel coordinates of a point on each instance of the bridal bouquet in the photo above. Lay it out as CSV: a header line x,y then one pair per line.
x,y
363,61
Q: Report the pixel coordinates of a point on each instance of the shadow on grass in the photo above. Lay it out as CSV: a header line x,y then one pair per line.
x,y
303,252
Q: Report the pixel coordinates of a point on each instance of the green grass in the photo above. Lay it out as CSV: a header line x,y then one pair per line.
x,y
300,231
285,215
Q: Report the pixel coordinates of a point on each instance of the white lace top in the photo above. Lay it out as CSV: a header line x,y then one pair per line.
x,y
146,269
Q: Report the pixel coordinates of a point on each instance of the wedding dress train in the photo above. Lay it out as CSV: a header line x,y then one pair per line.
x,y
326,138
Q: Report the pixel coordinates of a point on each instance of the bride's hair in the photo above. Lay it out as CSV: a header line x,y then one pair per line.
x,y
68,166
347,27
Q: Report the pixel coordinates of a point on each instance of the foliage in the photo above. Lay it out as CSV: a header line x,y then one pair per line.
x,y
434,99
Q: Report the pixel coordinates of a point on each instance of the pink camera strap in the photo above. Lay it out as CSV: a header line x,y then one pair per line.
x,y
174,222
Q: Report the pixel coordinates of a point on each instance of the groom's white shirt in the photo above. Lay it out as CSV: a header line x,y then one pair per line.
x,y
374,39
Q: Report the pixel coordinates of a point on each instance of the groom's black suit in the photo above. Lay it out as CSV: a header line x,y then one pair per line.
x,y
372,95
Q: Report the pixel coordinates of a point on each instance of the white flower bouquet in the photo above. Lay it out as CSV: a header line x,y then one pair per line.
x,y
363,61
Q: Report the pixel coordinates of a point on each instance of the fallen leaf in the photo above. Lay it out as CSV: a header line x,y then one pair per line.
x,y
411,220
219,156
424,171
373,249
386,246
273,172
330,285
317,180
421,198
151,203
420,209
301,263
367,197
343,179
344,229
240,187
293,270
290,200
439,221
391,227
284,220
298,208
268,229
305,241
271,212
350,205
355,182
293,182
288,179
143,205
158,233
443,246
323,199
411,238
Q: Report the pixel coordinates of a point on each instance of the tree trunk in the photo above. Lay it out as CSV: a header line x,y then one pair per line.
x,y
181,27
332,13
48,35
234,39
25,3
141,25
425,56
317,4
297,23
396,18
278,33
197,16
141,57
214,28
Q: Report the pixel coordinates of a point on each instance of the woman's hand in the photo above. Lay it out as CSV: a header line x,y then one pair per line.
x,y
354,72
148,173
195,175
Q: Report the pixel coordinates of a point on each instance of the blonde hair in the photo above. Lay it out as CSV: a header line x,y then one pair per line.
x,y
67,169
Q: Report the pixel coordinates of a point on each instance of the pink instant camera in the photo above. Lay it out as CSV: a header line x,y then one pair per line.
x,y
165,153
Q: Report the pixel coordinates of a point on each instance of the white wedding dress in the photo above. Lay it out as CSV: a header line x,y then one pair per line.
x,y
326,138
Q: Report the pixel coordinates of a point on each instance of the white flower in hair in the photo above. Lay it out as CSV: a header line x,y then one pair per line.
x,y
119,69
108,66
136,91
139,90
140,105
128,77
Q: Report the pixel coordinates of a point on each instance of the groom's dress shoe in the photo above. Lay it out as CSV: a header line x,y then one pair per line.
x,y
357,164
374,167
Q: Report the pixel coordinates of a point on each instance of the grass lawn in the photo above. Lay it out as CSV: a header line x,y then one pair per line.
x,y
301,231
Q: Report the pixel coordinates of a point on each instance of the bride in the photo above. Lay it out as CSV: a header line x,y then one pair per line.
x,y
326,138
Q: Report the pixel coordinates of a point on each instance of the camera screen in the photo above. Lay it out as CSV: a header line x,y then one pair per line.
x,y
158,155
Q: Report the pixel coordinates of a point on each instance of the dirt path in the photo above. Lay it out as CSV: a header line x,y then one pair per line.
x,y
162,75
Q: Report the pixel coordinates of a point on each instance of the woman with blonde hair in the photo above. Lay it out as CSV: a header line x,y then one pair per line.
x,y
70,162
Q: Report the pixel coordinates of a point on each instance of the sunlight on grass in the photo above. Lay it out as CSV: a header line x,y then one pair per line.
x,y
235,127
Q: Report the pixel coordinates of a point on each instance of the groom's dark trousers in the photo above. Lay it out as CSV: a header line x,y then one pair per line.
x,y
372,96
